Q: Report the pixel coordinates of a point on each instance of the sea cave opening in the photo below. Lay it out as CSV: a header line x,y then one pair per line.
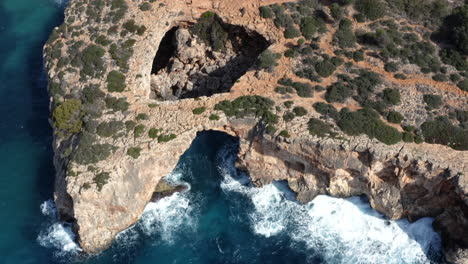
x,y
203,59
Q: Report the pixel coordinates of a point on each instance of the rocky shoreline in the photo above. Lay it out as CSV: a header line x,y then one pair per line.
x,y
104,182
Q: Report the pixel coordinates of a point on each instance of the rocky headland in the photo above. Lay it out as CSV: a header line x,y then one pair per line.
x,y
132,83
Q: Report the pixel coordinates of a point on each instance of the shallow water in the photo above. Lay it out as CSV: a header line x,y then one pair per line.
x,y
221,218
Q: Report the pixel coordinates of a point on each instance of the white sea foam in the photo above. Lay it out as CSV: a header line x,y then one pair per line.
x,y
342,230
55,234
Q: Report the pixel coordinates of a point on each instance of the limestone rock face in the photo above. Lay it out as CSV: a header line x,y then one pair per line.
x,y
106,195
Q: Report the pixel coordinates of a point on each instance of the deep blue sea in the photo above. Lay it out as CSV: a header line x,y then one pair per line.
x,y
221,218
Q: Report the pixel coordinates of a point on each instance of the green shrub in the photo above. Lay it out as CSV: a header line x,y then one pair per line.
x,y
358,55
408,137
145,6
309,26
454,58
268,60
391,67
153,133
266,12
134,152
142,116
101,179
109,129
439,77
285,81
366,121
338,92
336,11
463,85
441,131
372,9
326,110
284,90
89,152
394,117
102,40
152,105
199,110
166,138
400,76
117,104
67,116
318,128
138,131
252,105
115,82
130,26
210,30
344,36
288,116
432,101
214,117
299,111
325,68
303,89
130,125
284,133
391,96
291,32
288,104
91,61
122,54
91,93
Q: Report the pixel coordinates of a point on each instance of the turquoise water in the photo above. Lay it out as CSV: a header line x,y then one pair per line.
x,y
220,219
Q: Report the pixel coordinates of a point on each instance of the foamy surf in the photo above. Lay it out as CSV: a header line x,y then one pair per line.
x,y
342,230
56,235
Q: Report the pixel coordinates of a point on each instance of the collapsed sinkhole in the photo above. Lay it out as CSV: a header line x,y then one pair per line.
x,y
203,59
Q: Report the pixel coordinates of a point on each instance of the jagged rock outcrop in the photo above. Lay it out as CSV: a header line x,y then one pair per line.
x,y
116,141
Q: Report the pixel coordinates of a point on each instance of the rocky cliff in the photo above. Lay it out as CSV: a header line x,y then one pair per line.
x,y
132,82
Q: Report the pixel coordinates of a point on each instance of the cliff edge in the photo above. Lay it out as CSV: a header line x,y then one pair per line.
x,y
305,87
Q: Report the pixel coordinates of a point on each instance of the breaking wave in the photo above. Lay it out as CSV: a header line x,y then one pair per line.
x,y
57,235
342,230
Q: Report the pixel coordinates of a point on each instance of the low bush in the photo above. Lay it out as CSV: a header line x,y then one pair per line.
x,y
394,117
325,68
214,117
319,128
89,152
117,104
115,82
432,101
132,27
142,116
291,32
284,133
91,61
145,6
372,9
284,90
391,67
199,110
210,30
299,111
367,121
288,116
109,129
266,12
326,110
153,133
463,85
408,137
134,152
288,104
303,89
344,36
130,125
268,60
253,105
67,116
441,131
391,96
166,138
138,131
101,179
